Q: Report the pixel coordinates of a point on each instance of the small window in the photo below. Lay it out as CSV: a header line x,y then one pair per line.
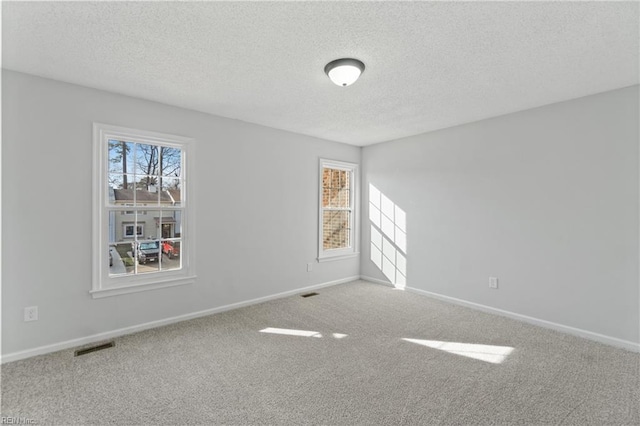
x,y
136,249
128,230
338,186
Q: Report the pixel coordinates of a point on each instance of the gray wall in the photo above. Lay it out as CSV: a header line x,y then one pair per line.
x,y
256,207
545,199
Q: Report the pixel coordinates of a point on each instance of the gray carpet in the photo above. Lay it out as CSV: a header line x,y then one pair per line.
x,y
222,369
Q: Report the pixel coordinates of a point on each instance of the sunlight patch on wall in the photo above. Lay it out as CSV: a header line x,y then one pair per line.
x,y
388,237
487,353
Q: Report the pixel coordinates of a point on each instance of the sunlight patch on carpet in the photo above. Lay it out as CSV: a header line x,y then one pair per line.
x,y
291,332
301,333
487,353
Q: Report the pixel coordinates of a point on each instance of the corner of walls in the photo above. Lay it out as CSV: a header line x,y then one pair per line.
x,y
547,200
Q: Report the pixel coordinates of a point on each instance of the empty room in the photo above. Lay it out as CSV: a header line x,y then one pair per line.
x,y
328,213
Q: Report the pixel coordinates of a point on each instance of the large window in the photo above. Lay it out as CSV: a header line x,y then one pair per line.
x,y
143,222
337,216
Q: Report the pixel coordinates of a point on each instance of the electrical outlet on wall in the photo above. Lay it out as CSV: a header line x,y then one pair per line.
x,y
493,283
31,313
309,267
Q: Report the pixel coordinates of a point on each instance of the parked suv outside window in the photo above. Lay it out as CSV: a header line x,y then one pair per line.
x,y
148,251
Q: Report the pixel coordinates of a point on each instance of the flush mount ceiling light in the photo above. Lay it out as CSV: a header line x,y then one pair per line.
x,y
345,71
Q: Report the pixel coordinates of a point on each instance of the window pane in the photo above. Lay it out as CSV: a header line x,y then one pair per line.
x,y
116,180
148,255
115,185
170,255
120,157
343,197
333,197
129,230
335,187
151,221
166,222
147,193
177,227
171,161
121,259
326,196
171,191
120,191
339,197
344,180
327,176
114,218
147,160
336,229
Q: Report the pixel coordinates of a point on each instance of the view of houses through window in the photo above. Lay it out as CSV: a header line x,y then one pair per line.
x,y
144,206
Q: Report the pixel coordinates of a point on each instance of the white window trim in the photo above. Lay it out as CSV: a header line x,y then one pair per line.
x,y
344,253
104,285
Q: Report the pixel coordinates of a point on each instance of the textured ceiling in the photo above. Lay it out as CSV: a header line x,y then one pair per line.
x,y
428,65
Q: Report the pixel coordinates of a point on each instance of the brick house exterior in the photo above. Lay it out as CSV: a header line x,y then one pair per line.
x,y
336,193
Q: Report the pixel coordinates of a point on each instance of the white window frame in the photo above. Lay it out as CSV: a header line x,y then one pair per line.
x,y
104,285
352,251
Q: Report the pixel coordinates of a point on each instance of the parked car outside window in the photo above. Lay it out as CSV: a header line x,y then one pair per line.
x,y
148,251
169,249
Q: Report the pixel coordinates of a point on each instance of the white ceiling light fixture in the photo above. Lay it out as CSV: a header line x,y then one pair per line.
x,y
345,71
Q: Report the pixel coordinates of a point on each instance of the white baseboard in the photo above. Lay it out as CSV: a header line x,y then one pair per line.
x,y
612,341
376,281
15,356
609,340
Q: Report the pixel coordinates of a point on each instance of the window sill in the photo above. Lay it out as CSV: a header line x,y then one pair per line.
x,y
135,288
338,257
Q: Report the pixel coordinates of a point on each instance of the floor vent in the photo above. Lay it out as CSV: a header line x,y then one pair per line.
x,y
309,294
94,349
